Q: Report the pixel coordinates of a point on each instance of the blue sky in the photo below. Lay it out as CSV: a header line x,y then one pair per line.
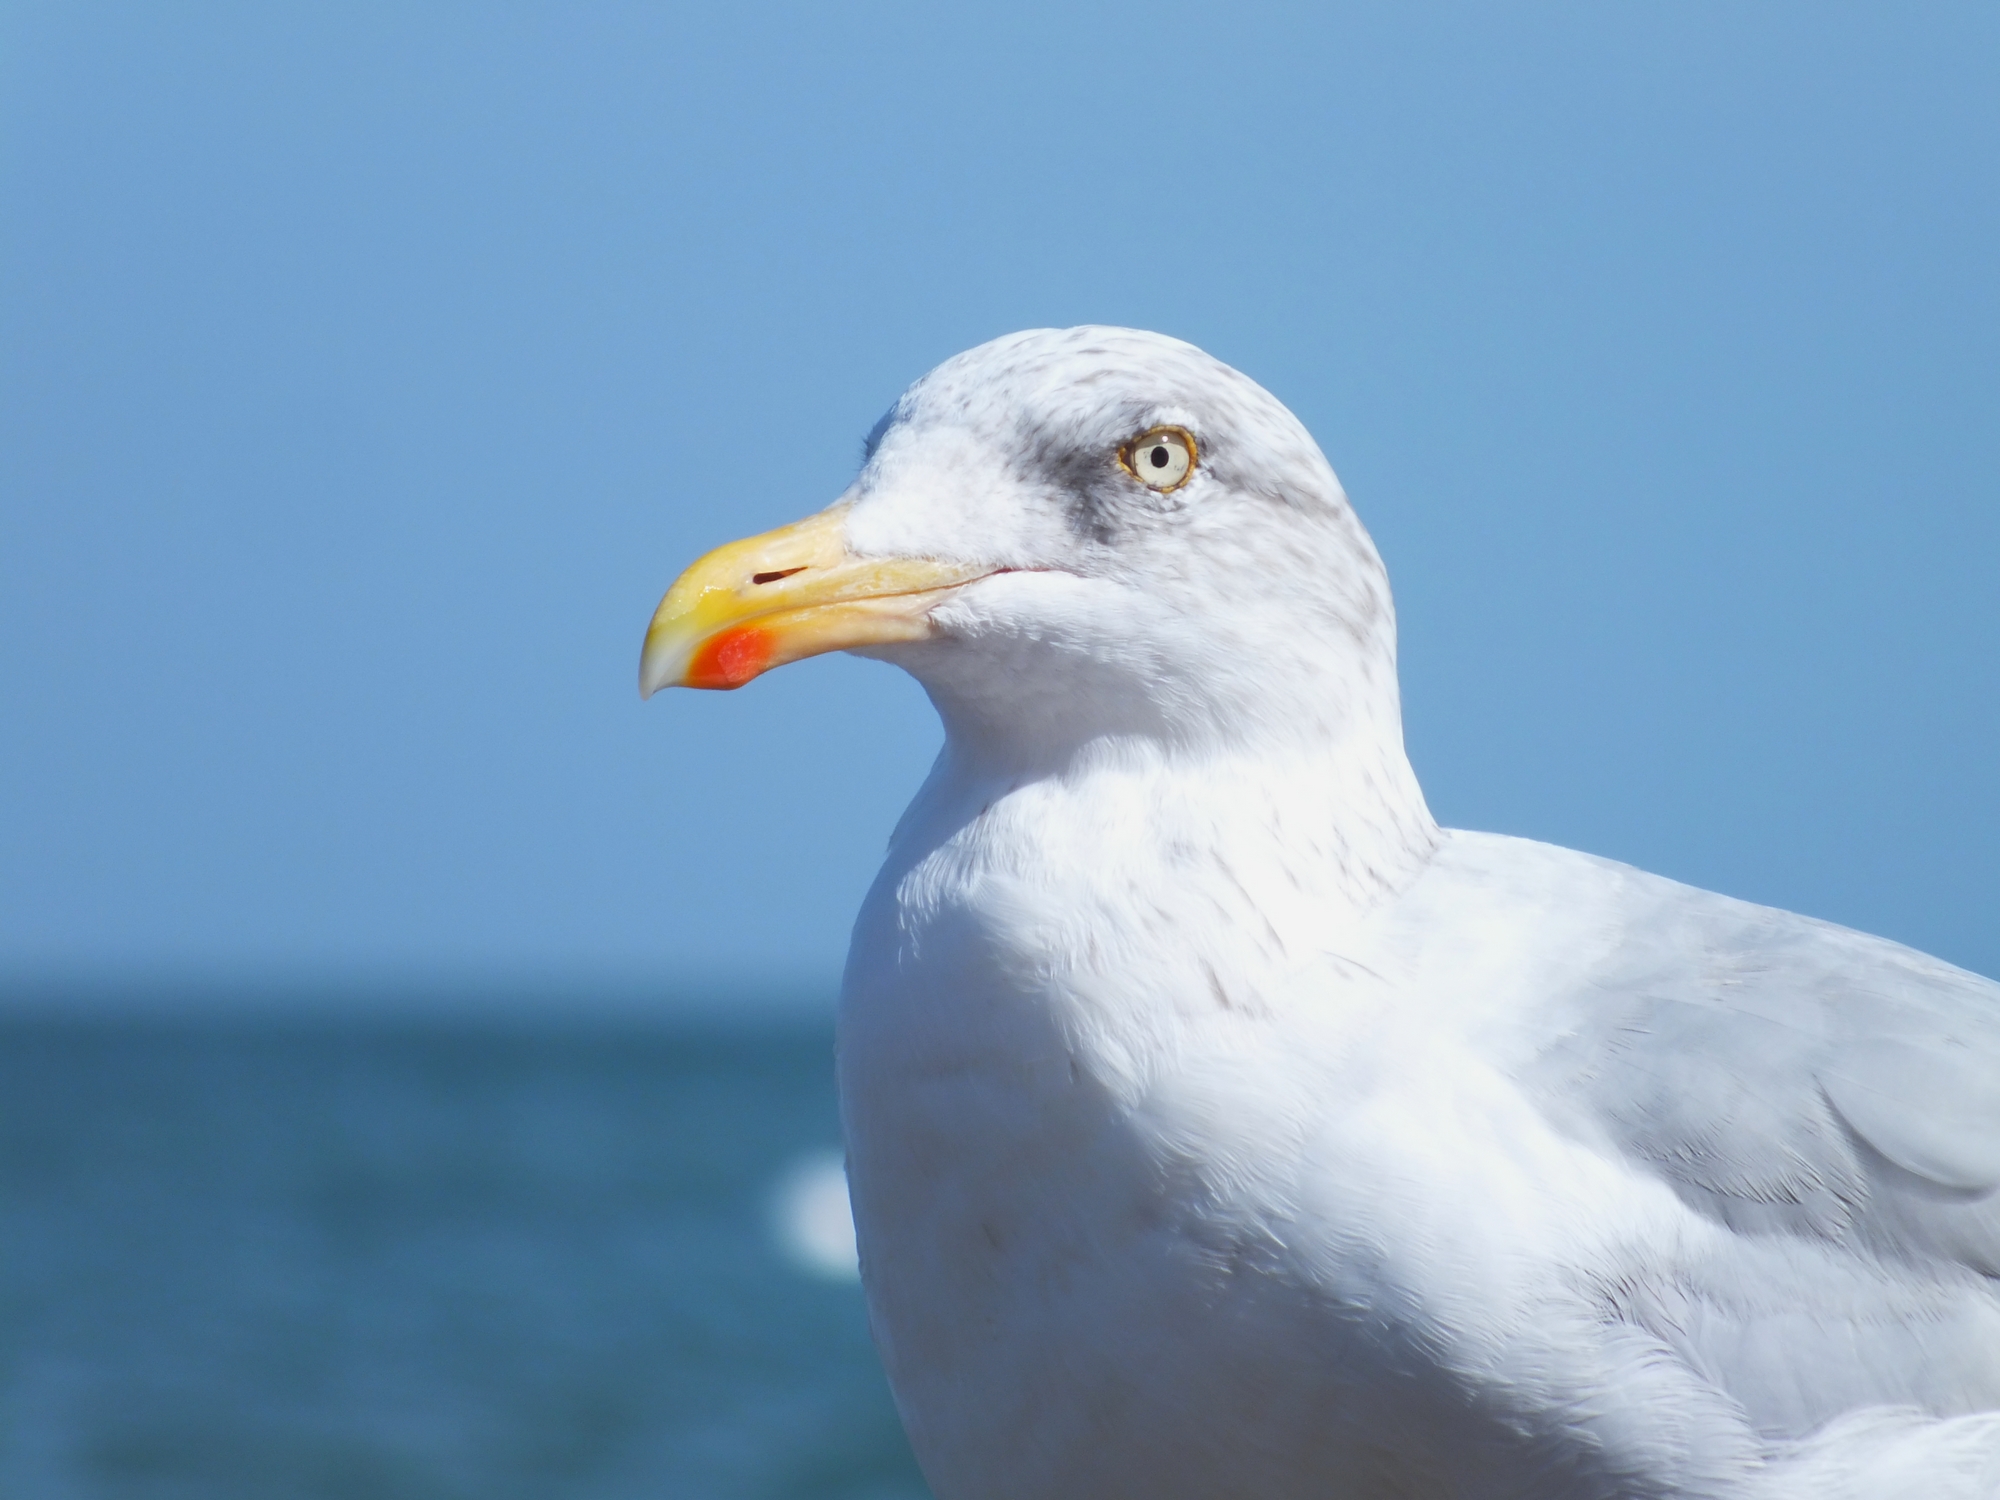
x,y
367,372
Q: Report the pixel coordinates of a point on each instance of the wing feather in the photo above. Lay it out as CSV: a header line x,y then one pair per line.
x,y
1789,1076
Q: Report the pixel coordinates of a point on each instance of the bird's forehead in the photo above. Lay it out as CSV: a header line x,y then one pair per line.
x,y
1054,405
1066,384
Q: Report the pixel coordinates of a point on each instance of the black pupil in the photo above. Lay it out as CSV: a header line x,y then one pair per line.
x,y
1159,458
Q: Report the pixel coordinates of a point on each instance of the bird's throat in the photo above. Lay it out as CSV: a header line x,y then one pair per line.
x,y
1235,869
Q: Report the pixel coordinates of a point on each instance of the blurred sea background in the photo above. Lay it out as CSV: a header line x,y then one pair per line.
x,y
415,1052
386,1258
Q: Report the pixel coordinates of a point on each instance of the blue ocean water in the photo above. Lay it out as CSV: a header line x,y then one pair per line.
x,y
251,1259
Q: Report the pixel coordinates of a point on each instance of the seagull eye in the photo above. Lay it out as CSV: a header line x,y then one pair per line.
x,y
1161,459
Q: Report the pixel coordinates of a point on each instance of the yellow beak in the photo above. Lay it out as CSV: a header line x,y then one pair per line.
x,y
783,596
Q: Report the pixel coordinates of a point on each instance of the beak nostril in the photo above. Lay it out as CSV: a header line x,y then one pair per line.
x,y
774,577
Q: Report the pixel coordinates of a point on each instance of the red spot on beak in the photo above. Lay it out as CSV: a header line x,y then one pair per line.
x,y
731,659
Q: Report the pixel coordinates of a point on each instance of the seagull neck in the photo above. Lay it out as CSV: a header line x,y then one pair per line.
x,y
1304,836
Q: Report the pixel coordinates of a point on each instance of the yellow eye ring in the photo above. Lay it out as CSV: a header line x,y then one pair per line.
x,y
1161,458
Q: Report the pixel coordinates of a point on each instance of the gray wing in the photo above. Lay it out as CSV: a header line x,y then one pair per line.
x,y
1831,1098
1790,1076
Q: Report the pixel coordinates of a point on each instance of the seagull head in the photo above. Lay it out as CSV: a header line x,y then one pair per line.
x,y
1068,534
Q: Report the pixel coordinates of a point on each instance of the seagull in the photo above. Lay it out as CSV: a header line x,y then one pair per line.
x,y
1219,1127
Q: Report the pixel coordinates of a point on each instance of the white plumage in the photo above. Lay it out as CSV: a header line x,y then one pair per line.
x,y
1218,1126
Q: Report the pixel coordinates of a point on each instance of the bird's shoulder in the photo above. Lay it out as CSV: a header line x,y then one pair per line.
x,y
1782,1074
